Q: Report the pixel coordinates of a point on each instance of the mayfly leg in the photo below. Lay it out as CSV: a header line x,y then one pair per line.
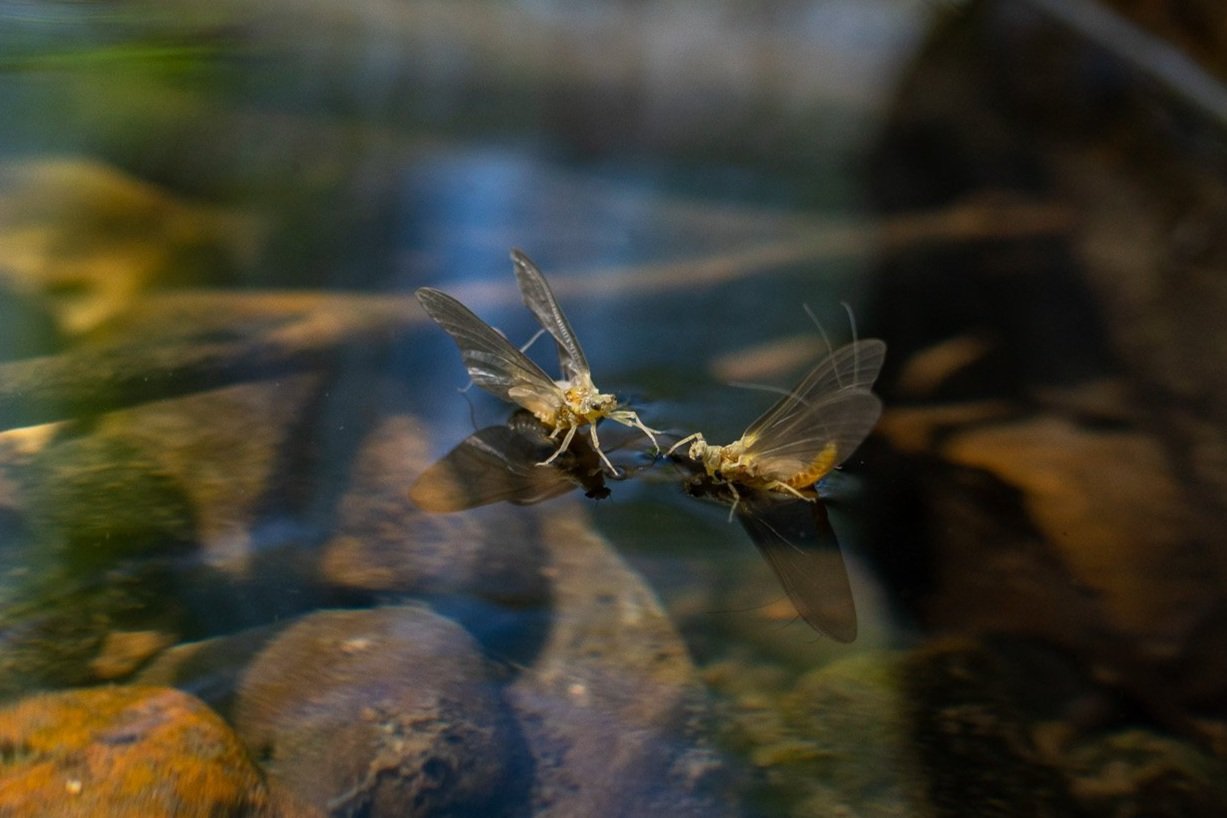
x,y
562,447
632,419
532,340
596,444
683,442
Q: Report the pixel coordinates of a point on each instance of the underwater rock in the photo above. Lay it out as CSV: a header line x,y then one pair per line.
x,y
971,736
117,527
383,712
611,708
226,449
383,544
65,636
95,500
185,342
122,652
1108,505
128,752
90,554
1136,772
26,327
850,738
834,742
210,669
87,239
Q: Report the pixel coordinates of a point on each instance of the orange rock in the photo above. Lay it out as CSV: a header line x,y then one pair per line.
x,y
124,752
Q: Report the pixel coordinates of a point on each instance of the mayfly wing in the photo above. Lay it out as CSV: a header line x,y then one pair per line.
x,y
494,464
824,419
539,298
854,366
797,541
493,362
824,434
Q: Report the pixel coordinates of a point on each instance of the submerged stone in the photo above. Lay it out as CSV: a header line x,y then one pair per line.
x,y
383,712
611,708
128,752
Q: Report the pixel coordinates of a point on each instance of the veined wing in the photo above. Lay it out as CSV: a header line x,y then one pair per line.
x,y
814,437
851,367
494,464
539,298
823,420
796,539
493,363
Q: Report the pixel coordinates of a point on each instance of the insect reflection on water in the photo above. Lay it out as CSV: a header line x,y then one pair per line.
x,y
796,539
500,368
503,464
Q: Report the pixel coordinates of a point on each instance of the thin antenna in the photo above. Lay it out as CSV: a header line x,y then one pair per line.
x,y
818,324
532,340
472,410
763,387
856,362
851,318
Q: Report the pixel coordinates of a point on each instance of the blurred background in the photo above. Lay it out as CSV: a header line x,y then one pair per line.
x,y
216,388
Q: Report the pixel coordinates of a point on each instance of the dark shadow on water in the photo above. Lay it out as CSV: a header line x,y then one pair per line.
x,y
506,463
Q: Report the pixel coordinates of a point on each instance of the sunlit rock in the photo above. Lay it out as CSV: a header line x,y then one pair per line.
x,y
128,752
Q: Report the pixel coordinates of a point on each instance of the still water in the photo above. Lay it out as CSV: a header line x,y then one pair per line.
x,y
217,596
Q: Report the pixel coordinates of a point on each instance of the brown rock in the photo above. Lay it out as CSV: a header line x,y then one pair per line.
x,y
123,652
1107,503
127,751
385,712
611,707
224,449
211,668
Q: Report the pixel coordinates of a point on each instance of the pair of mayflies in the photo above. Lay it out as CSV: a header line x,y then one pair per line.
x,y
780,457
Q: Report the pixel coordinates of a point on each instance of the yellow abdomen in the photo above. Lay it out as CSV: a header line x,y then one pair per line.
x,y
823,463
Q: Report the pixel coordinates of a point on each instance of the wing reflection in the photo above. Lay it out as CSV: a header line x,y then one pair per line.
x,y
500,464
796,539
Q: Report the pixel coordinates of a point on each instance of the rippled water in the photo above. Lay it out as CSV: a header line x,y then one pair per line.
x,y
216,390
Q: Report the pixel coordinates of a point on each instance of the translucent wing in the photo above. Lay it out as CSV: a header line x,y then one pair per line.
x,y
823,420
493,363
850,367
539,298
796,539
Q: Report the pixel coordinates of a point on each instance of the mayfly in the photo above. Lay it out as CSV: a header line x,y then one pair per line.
x,y
807,433
497,366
